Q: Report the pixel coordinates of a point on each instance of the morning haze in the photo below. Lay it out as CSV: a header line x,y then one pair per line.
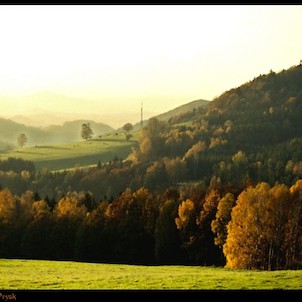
x,y
46,108
103,61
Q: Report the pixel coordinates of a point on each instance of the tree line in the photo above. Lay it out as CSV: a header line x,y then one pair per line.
x,y
259,227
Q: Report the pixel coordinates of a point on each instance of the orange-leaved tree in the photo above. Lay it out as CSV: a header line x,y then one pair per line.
x,y
293,228
265,228
222,218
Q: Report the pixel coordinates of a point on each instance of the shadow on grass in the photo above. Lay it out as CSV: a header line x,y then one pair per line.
x,y
50,147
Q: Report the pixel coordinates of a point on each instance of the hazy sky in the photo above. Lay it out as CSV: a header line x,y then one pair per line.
x,y
161,55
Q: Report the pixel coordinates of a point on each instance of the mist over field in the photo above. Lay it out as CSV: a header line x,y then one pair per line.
x,y
46,108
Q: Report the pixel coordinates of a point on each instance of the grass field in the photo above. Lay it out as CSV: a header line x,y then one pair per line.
x,y
40,274
65,156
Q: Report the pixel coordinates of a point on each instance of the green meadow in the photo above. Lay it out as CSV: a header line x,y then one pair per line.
x,y
41,274
77,154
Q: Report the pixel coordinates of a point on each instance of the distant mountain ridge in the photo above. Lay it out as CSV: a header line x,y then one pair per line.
x,y
38,120
69,130
45,108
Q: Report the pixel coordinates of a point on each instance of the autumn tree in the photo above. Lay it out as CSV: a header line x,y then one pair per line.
x,y
265,228
167,240
130,234
244,230
195,150
14,217
36,242
293,228
22,140
238,168
176,169
7,222
137,246
188,229
94,241
156,176
87,199
186,214
277,218
208,252
69,214
149,213
127,128
151,140
86,132
222,218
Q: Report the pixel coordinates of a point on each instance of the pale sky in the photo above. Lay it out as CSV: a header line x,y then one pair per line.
x,y
161,55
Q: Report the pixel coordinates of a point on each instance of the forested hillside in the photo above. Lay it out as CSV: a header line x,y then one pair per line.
x,y
178,112
217,185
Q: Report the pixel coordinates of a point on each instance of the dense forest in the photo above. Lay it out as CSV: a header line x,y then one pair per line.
x,y
218,185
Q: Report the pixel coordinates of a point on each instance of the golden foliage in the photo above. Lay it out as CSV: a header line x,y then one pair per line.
x,y
195,149
7,206
39,209
210,204
185,212
265,228
222,218
69,207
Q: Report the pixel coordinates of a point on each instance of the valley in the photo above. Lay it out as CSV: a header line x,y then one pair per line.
x,y
77,154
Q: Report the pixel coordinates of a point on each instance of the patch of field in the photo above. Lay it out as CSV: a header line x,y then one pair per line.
x,y
40,274
83,153
187,124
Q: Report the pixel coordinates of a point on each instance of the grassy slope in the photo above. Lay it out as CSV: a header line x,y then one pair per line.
x,y
41,274
182,109
57,157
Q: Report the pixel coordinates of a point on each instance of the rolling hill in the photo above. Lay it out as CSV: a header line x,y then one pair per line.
x,y
80,154
68,132
61,132
249,133
10,130
261,118
183,109
71,130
